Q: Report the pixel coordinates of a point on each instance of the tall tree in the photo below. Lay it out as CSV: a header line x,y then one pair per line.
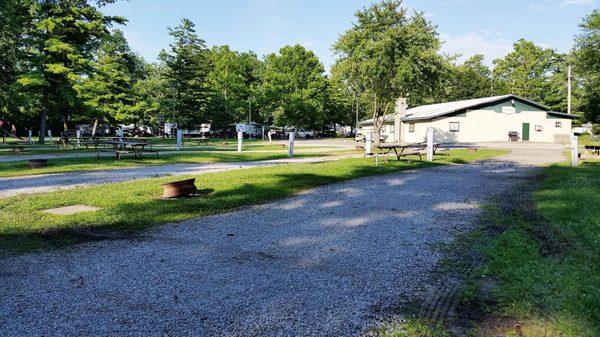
x,y
63,38
471,79
294,88
528,71
390,54
110,91
587,65
15,20
153,94
187,66
234,79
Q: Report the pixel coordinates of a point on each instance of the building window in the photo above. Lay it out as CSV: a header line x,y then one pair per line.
x,y
454,126
538,128
558,124
411,127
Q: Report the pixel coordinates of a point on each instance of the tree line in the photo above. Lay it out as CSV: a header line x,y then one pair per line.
x,y
65,62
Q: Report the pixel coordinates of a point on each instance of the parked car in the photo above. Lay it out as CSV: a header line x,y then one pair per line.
x,y
305,134
328,134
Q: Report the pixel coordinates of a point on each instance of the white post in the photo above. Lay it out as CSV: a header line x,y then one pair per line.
x,y
78,138
50,136
369,144
291,146
270,134
240,139
30,137
429,144
574,150
179,139
121,134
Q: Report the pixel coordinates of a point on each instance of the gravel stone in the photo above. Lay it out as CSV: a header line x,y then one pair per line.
x,y
332,261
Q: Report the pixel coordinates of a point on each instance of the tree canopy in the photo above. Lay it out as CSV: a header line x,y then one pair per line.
x,y
63,62
387,54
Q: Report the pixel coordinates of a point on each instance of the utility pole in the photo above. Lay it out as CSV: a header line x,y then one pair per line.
x,y
569,90
356,125
173,121
250,118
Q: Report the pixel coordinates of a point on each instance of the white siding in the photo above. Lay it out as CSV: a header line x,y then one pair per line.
x,y
486,126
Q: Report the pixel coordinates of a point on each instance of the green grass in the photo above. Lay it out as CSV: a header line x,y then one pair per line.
x,y
586,140
549,271
412,328
131,206
63,165
159,144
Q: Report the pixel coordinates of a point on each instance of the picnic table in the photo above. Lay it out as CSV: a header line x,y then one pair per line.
x,y
126,147
405,150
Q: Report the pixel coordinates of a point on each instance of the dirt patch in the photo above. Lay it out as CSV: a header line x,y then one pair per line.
x,y
70,210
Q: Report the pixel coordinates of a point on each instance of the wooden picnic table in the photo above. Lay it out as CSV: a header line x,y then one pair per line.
x,y
125,147
404,150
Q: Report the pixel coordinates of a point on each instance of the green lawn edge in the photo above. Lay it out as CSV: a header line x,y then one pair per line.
x,y
129,207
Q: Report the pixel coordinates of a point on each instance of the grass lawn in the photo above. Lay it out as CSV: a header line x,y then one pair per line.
x,y
549,270
586,140
159,144
62,165
131,206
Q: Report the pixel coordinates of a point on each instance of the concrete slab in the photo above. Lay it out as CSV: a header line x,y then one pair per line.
x,y
70,210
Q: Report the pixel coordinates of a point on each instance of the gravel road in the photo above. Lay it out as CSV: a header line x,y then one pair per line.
x,y
332,261
62,181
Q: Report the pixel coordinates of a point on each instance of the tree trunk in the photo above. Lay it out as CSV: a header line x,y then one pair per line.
x,y
43,117
377,123
66,123
95,127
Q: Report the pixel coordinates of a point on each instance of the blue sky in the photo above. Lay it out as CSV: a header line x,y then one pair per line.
x,y
467,26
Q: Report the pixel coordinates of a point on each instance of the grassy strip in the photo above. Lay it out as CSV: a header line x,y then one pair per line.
x,y
62,165
159,144
549,269
412,328
135,205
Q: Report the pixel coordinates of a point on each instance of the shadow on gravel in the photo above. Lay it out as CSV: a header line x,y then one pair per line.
x,y
127,218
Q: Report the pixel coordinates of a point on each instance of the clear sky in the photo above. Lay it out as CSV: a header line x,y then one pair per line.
x,y
466,26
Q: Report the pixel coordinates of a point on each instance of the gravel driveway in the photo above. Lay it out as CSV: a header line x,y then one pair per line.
x,y
332,261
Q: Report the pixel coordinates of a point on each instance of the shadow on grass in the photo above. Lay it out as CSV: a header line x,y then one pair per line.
x,y
127,213
541,264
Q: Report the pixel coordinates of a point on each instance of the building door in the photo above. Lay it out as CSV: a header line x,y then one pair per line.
x,y
525,134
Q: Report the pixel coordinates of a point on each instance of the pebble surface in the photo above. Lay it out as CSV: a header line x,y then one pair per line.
x,y
332,261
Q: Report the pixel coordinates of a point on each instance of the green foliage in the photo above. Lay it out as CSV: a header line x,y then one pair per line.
x,y
186,70
471,79
587,65
294,88
234,80
534,73
387,54
110,91
62,38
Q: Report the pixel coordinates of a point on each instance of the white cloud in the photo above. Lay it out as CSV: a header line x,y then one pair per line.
x,y
490,45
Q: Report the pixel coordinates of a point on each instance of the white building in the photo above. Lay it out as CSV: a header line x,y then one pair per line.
x,y
487,119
